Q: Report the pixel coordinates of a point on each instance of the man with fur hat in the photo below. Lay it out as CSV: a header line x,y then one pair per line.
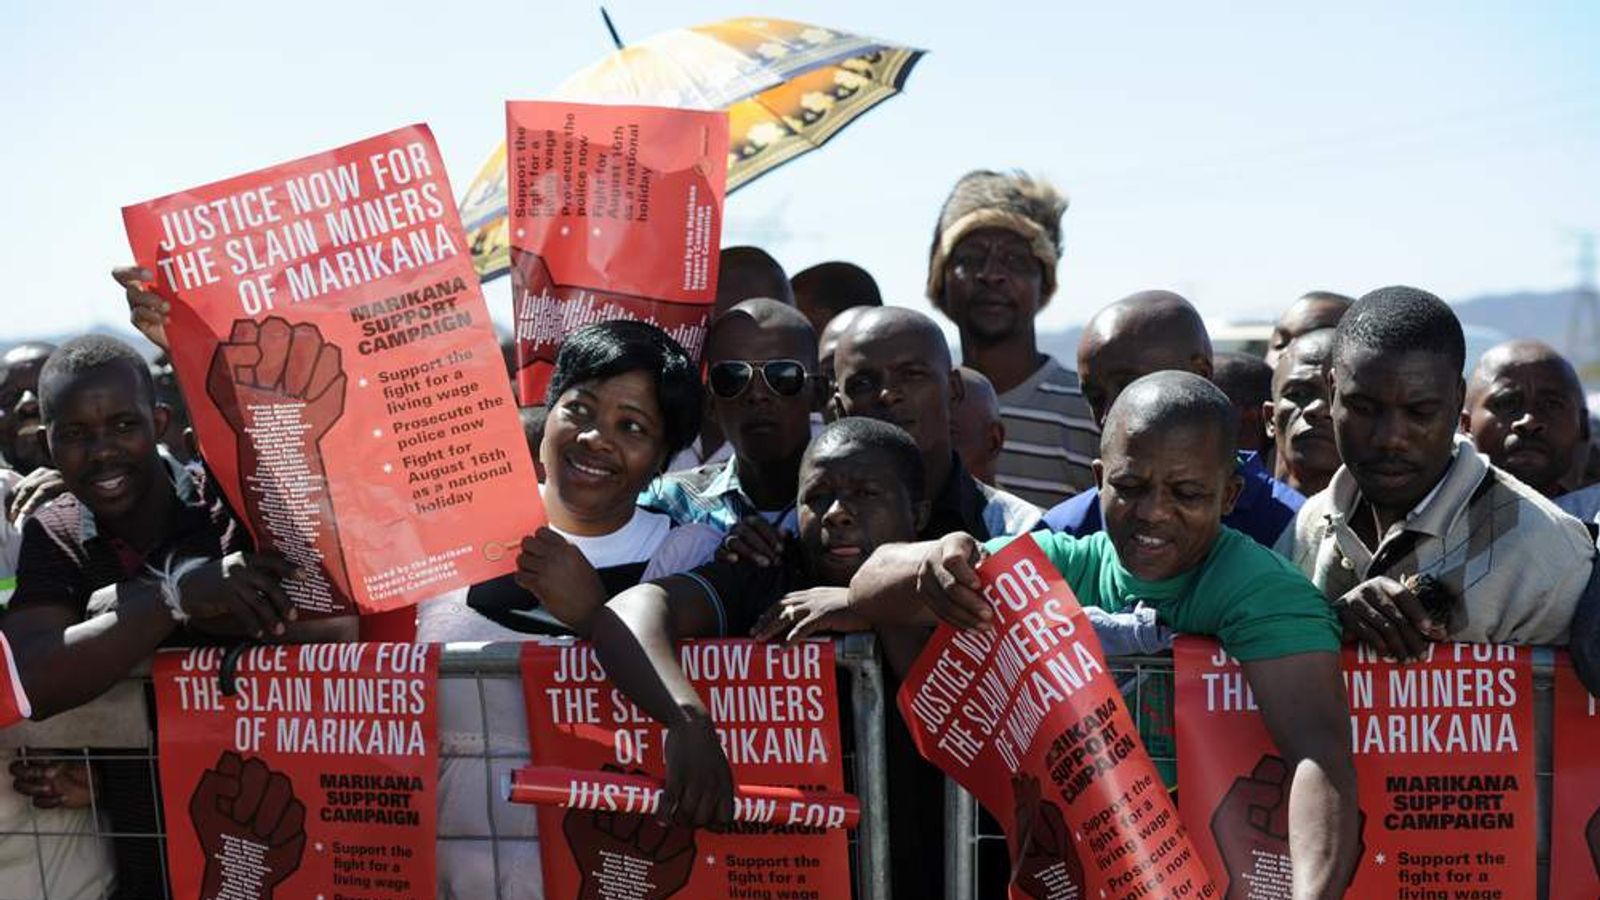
x,y
991,269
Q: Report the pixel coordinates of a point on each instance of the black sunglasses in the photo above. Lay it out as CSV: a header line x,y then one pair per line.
x,y
784,377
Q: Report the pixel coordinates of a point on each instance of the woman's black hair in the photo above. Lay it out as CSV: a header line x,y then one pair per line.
x,y
619,346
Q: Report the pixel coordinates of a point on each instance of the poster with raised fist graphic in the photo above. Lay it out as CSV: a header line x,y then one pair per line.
x,y
615,212
342,372
1024,715
316,777
1575,788
1443,750
777,713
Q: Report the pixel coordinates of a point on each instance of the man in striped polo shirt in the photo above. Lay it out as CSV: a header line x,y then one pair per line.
x,y
991,269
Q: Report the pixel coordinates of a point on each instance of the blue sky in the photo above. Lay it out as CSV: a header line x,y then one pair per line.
x,y
1239,156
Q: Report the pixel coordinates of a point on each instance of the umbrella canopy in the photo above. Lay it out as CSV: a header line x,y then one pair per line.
x,y
788,87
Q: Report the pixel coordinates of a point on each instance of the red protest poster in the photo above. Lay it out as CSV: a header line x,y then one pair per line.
x,y
1027,719
318,777
615,213
1444,760
777,711
1575,789
14,706
342,372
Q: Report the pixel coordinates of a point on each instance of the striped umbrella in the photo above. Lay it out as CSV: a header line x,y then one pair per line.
x,y
788,87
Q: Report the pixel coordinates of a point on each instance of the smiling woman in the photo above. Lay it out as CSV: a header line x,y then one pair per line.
x,y
623,398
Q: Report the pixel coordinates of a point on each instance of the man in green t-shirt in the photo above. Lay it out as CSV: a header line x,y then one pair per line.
x,y
1166,477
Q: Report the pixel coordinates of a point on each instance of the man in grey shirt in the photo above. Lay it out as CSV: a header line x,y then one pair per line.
x,y
991,269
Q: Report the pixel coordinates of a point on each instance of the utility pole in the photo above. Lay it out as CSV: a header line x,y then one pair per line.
x,y
1583,331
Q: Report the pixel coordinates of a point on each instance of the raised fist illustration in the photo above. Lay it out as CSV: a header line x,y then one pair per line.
x,y
624,856
281,387
1044,861
251,828
1251,827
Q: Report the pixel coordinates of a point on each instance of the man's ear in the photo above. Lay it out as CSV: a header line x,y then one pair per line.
x,y
1461,394
1268,409
1466,422
997,438
1231,492
1099,468
834,411
958,390
1202,366
920,513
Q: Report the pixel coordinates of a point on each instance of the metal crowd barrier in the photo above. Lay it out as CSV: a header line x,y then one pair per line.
x,y
1139,676
119,727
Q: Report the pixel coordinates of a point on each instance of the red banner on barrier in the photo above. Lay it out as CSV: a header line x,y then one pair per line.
x,y
615,212
342,372
1026,718
1443,752
776,709
1575,789
318,777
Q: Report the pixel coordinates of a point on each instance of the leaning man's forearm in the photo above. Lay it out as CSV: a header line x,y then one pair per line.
x,y
66,669
1324,829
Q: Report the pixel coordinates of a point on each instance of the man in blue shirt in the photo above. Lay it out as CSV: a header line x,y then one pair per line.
x,y
1156,331
761,375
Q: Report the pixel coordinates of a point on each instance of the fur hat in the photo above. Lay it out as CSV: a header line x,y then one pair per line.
x,y
1016,202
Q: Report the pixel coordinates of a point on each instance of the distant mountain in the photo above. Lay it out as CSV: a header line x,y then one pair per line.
x,y
1543,315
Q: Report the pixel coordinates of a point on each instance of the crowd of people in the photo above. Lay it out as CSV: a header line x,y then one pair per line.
x,y
828,467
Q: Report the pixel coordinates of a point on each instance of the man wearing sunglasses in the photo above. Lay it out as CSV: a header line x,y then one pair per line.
x,y
762,385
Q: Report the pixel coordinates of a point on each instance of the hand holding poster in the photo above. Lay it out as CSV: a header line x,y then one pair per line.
x,y
1026,718
776,712
1443,751
603,791
318,777
615,212
342,372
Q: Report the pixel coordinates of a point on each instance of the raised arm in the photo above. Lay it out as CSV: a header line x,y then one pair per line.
x,y
635,636
1303,702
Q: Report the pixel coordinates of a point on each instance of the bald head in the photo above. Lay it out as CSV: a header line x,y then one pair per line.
x,y
1311,312
828,338
744,273
899,324
979,432
893,364
768,316
1166,472
1169,402
28,351
1147,332
1525,410
980,395
1519,354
